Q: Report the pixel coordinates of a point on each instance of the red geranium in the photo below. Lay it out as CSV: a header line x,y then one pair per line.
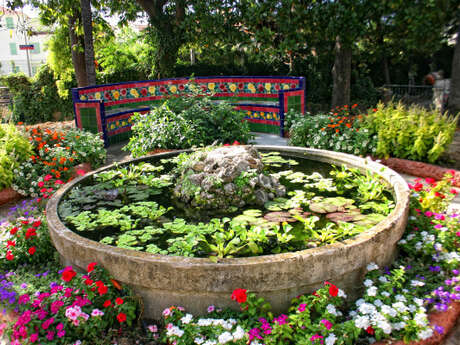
x,y
370,330
107,303
13,230
102,289
119,301
239,295
68,274
121,317
9,255
32,250
91,266
30,233
333,290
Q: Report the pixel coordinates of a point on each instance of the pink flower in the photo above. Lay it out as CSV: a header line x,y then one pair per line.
x,y
153,328
23,299
48,177
166,312
50,335
428,213
326,323
453,191
302,307
439,216
430,180
41,184
33,337
457,233
80,172
55,306
47,323
61,333
73,313
97,312
58,182
60,326
211,308
317,336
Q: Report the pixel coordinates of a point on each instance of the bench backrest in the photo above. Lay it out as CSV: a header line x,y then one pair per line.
x,y
264,100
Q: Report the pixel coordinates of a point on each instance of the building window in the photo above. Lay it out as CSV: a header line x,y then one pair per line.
x,y
9,22
13,49
36,48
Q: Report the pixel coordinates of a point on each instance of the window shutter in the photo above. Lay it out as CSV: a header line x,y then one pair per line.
x,y
9,22
13,49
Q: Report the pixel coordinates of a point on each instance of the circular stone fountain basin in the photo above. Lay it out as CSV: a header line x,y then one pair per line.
x,y
196,283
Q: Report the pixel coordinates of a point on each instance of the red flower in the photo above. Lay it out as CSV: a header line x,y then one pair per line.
x,y
235,143
222,87
123,92
430,180
241,86
333,290
91,266
102,289
370,330
277,87
107,303
181,87
260,87
439,195
68,274
119,301
453,191
58,182
41,184
121,317
13,230
25,222
9,256
88,281
37,223
32,250
30,233
162,89
144,92
10,244
239,295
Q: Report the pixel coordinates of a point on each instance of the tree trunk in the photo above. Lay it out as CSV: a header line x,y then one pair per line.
x,y
454,93
78,56
386,69
341,74
167,32
86,17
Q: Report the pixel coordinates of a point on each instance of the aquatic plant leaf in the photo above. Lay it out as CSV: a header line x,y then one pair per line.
x,y
279,217
277,204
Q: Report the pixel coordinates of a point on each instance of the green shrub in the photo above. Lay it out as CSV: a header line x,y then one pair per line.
x,y
187,122
337,131
36,100
14,149
411,132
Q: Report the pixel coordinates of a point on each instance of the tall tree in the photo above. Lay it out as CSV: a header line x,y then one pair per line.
x,y
87,19
454,95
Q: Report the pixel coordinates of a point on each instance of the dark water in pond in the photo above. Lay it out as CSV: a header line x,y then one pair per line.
x,y
166,199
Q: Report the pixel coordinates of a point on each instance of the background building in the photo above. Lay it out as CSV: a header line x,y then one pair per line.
x,y
16,29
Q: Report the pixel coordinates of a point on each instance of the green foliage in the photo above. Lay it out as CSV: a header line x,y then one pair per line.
x,y
14,149
187,122
330,132
37,99
411,132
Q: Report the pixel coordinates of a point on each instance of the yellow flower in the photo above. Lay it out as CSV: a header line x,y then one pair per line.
x,y
248,112
173,88
275,116
268,86
269,116
83,97
123,123
211,86
134,93
97,95
232,87
285,86
116,94
152,89
252,88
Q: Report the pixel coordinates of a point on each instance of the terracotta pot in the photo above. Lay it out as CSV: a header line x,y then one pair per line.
x,y
8,195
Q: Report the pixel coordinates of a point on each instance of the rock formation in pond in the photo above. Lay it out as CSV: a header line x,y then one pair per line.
x,y
225,177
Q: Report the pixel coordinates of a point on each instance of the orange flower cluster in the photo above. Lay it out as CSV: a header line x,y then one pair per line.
x,y
43,141
342,117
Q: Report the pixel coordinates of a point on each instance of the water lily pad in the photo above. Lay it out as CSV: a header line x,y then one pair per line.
x,y
279,217
329,205
371,219
345,216
299,212
278,204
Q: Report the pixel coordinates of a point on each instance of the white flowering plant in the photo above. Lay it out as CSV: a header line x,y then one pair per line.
x,y
388,309
183,328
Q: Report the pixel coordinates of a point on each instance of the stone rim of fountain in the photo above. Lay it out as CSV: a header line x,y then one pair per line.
x,y
365,243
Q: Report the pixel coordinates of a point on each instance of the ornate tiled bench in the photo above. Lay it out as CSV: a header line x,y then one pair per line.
x,y
107,109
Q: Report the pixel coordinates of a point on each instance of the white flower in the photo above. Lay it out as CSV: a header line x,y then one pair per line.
x,y
372,291
368,282
210,342
400,298
331,309
420,319
388,310
399,325
416,283
418,301
372,266
385,327
425,334
367,308
174,330
239,333
199,341
362,322
187,318
225,337
383,279
342,294
330,340
412,218
386,294
378,303
412,308
360,301
400,306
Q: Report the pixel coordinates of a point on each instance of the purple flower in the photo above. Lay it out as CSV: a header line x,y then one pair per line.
x,y
435,268
456,272
24,286
439,329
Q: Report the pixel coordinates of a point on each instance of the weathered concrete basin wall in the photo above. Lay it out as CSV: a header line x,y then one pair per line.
x,y
196,283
